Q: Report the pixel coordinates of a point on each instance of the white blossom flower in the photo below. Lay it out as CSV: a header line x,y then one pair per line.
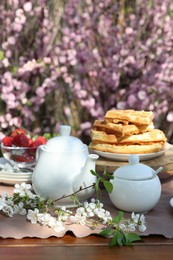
x,y
78,219
81,211
33,215
52,222
63,214
135,217
142,228
85,204
47,219
23,189
100,213
139,220
90,212
92,205
127,227
2,201
8,210
19,209
141,223
58,226
107,217
44,218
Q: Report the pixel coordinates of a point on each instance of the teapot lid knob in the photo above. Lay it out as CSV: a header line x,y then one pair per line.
x,y
133,159
65,130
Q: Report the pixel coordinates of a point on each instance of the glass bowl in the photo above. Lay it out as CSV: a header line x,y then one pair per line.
x,y
21,157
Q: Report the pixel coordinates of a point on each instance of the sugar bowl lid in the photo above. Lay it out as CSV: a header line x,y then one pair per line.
x,y
135,170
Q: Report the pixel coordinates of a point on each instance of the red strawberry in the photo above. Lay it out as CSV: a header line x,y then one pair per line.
x,y
21,140
30,141
41,139
18,131
35,143
34,146
7,140
24,158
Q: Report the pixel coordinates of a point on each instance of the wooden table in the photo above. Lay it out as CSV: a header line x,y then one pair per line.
x,y
92,247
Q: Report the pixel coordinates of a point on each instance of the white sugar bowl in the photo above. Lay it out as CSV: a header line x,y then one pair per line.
x,y
136,187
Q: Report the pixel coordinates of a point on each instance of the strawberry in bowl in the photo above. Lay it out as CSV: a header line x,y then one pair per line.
x,y
20,149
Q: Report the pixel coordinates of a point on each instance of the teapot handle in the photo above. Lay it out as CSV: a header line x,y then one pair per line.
x,y
65,130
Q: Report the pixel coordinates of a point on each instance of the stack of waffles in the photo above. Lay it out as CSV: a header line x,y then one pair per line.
x,y
127,132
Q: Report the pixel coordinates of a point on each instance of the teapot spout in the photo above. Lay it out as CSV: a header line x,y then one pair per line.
x,y
90,164
85,179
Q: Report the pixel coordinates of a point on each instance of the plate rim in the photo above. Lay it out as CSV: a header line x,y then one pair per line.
x,y
13,182
125,156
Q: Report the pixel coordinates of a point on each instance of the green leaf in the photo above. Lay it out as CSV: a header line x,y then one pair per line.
x,y
108,186
113,241
106,232
120,238
130,238
118,218
94,173
123,239
109,176
97,184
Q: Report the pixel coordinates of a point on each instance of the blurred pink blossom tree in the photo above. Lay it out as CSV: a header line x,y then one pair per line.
x,y
104,54
116,56
28,77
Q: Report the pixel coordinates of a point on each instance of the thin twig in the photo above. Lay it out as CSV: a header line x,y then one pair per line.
x,y
74,193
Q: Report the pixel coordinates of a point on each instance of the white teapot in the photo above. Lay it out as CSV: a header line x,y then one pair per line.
x,y
63,167
136,187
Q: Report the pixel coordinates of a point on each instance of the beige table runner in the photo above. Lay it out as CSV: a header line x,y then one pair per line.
x,y
159,220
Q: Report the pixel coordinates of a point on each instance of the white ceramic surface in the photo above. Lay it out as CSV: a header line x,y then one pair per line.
x,y
136,196
136,187
124,157
135,170
63,166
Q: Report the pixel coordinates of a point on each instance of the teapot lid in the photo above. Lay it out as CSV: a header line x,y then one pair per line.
x,y
134,170
65,142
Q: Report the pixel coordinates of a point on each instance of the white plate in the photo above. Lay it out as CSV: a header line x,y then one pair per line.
x,y
8,176
124,157
12,178
20,175
13,181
